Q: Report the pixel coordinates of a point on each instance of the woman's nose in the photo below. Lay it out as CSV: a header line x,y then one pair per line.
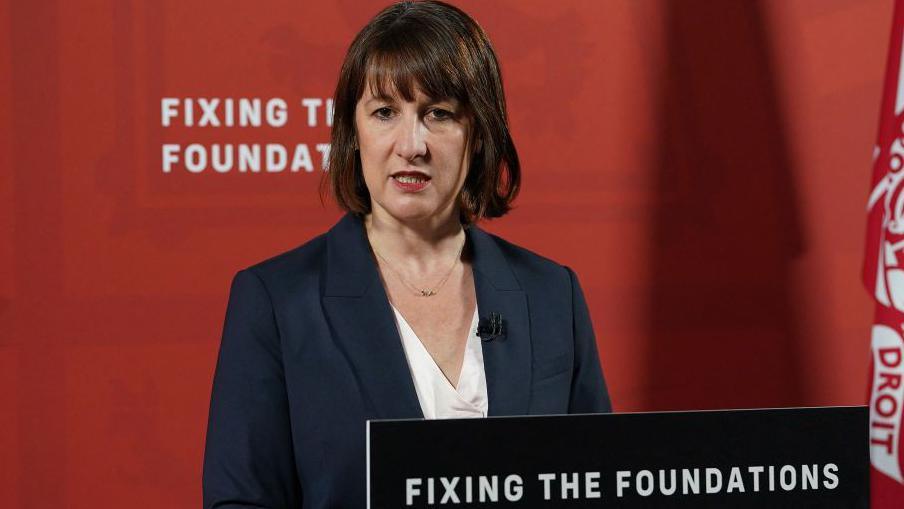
x,y
411,138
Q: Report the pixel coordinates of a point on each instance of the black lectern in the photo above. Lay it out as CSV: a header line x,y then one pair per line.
x,y
798,457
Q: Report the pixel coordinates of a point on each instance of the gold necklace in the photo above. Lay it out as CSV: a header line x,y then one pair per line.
x,y
423,292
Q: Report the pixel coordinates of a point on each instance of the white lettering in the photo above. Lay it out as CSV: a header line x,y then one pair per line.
x,y
188,112
411,490
250,112
449,494
195,158
324,149
734,481
229,105
830,471
886,400
514,487
690,481
592,485
756,471
787,478
570,486
621,482
809,477
170,156
311,104
644,483
168,110
276,112
672,487
276,158
329,112
489,489
546,479
302,159
208,112
221,158
713,480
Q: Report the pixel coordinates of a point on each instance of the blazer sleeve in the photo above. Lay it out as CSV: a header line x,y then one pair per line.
x,y
248,458
588,387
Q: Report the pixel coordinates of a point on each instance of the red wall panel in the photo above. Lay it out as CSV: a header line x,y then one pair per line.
x,y
703,166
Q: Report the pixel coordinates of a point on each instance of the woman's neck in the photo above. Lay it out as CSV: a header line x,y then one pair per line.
x,y
420,246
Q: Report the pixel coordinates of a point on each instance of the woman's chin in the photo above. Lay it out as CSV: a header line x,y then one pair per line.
x,y
413,212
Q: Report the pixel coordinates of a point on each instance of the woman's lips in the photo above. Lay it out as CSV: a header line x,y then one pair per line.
x,y
410,181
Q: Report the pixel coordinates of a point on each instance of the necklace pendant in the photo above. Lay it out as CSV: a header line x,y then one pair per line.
x,y
427,293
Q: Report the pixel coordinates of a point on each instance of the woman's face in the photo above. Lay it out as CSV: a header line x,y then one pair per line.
x,y
414,155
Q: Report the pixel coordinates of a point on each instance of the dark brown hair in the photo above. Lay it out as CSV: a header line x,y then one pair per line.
x,y
438,48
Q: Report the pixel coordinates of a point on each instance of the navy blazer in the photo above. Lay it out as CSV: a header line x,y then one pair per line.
x,y
310,351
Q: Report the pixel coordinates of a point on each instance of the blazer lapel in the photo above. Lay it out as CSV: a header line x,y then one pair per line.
x,y
507,360
362,321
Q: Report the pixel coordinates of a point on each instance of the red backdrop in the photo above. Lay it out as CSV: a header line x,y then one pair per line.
x,y
702,165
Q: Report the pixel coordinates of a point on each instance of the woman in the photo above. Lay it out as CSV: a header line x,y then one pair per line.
x,y
377,318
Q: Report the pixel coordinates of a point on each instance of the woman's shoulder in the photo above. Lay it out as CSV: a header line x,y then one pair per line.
x,y
297,266
530,267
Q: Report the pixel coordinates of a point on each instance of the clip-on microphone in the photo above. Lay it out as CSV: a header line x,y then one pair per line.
x,y
490,328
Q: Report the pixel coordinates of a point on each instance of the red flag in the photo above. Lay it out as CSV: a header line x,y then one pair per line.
x,y
883,273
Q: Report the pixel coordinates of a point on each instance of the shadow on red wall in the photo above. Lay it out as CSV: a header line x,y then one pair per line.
x,y
726,227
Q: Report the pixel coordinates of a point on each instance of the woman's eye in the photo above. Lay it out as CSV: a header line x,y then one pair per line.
x,y
383,113
441,114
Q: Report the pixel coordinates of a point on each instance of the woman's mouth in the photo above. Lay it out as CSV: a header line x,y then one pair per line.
x,y
411,181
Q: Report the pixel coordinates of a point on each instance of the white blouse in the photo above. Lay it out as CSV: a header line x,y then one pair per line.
x,y
438,398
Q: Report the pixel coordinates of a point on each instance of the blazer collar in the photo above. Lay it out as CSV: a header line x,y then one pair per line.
x,y
359,312
351,270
